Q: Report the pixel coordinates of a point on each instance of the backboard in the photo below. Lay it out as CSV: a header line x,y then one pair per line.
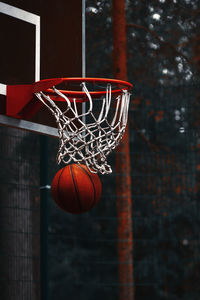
x,y
40,39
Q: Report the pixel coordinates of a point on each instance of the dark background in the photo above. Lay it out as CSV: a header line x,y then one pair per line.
x,y
163,64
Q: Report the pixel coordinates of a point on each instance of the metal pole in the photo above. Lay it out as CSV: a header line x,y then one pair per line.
x,y
83,53
44,187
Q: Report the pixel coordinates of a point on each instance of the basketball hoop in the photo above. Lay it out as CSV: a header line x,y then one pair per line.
x,y
91,135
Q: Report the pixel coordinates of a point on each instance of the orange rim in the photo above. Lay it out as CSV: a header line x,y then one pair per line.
x,y
47,84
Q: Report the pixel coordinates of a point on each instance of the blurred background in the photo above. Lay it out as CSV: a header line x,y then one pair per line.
x,y
163,44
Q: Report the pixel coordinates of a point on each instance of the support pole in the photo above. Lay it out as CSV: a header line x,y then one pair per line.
x,y
44,187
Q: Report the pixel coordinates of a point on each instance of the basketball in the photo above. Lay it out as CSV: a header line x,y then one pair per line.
x,y
75,189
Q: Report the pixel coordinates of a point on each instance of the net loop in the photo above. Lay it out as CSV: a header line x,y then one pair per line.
x,y
90,136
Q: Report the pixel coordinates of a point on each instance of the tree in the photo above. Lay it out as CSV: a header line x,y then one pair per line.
x,y
124,203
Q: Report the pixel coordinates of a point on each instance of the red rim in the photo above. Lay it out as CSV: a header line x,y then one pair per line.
x,y
47,84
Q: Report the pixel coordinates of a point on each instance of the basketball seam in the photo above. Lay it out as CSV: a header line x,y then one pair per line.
x,y
92,185
58,190
76,189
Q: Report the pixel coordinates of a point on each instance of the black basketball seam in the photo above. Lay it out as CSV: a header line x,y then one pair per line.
x,y
94,202
76,189
58,192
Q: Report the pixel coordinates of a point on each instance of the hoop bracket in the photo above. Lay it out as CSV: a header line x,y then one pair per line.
x,y
20,98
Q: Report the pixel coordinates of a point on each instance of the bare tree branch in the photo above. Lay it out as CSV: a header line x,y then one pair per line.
x,y
156,36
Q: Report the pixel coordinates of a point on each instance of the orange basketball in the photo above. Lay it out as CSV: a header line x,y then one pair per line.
x,y
75,189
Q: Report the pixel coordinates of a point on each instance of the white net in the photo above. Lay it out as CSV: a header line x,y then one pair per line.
x,y
90,136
